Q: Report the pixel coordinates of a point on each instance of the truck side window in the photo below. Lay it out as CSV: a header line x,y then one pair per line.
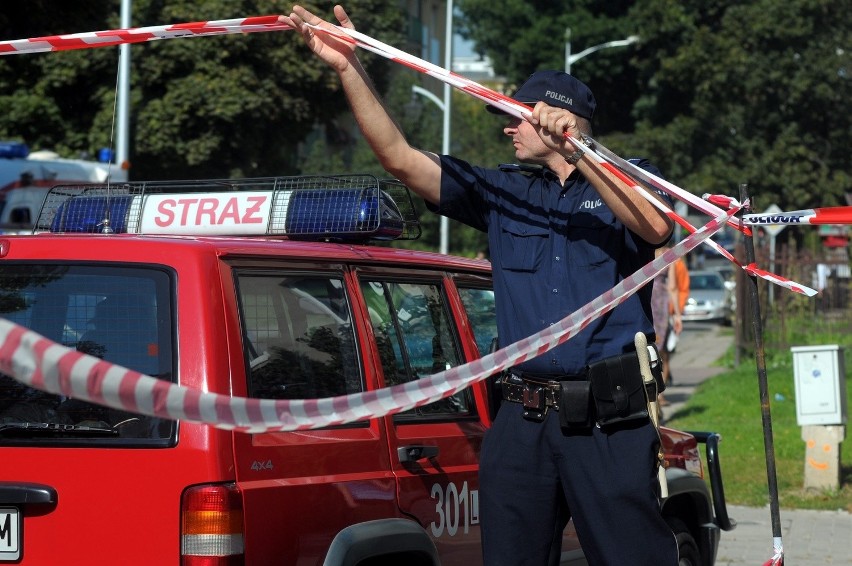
x,y
415,339
298,336
479,306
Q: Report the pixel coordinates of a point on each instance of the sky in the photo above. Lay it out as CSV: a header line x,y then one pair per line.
x,y
462,47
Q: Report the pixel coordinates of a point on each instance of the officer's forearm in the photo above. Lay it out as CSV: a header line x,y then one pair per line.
x,y
637,214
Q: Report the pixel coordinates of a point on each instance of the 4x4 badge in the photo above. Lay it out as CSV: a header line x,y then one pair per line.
x,y
257,466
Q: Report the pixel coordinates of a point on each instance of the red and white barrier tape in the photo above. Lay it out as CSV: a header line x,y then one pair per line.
x,y
669,188
606,158
504,103
256,24
778,553
828,215
108,38
40,363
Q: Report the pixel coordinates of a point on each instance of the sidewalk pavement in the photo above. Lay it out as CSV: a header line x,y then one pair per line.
x,y
698,348
809,538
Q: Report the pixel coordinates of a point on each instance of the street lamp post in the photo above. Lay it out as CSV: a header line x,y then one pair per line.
x,y
573,58
123,94
444,247
444,105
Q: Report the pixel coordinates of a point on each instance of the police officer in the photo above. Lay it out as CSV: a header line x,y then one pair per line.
x,y
559,236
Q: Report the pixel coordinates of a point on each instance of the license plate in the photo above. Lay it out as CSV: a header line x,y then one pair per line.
x,y
10,534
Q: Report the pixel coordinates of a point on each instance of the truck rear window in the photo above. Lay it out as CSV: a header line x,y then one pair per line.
x,y
118,313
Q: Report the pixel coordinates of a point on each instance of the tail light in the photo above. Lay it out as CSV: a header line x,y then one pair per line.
x,y
212,526
681,451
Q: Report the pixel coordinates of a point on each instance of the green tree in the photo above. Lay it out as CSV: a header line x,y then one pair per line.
x,y
524,36
56,100
717,93
216,106
749,92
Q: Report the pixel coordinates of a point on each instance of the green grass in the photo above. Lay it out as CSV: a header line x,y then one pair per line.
x,y
730,405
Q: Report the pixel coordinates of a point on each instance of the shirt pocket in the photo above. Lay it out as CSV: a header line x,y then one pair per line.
x,y
593,241
522,246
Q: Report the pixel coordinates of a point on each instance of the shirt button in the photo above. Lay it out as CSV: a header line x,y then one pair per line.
x,y
553,362
557,258
556,290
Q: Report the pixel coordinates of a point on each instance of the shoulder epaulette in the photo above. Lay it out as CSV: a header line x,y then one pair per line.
x,y
536,170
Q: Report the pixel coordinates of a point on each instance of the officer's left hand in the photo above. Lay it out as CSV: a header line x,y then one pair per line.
x,y
552,125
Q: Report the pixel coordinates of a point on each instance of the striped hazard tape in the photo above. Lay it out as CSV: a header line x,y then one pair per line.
x,y
40,363
108,38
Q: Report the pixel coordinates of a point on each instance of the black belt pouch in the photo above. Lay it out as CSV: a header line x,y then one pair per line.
x,y
618,389
575,404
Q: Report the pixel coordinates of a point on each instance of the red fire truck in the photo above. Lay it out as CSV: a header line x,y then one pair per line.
x,y
281,288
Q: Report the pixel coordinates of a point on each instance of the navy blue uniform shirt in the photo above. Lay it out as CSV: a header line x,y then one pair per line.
x,y
554,248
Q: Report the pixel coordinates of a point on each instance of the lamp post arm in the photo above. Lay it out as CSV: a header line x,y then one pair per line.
x,y
416,89
572,58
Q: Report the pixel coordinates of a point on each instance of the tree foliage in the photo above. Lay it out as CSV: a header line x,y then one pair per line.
x,y
234,105
717,92
524,36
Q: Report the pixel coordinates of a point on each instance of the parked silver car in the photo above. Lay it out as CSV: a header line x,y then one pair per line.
x,y
709,298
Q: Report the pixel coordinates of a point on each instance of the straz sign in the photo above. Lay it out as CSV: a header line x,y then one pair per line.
x,y
10,534
244,213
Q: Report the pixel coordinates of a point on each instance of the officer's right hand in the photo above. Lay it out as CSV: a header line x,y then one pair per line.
x,y
335,52
553,125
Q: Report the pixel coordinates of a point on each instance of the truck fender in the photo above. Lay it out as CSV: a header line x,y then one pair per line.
x,y
689,507
685,485
401,538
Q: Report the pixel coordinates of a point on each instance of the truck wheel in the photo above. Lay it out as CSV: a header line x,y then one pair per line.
x,y
686,547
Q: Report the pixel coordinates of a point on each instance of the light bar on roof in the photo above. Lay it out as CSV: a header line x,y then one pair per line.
x,y
352,210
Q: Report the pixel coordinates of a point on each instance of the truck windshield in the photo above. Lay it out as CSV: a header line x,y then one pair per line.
x,y
118,313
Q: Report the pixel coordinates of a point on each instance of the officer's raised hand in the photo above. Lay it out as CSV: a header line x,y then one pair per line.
x,y
338,54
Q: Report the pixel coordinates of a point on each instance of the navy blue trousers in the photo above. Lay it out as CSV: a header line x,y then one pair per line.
x,y
535,476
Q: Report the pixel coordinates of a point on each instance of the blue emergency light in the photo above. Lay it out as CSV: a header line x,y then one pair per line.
x,y
344,214
106,155
14,150
93,214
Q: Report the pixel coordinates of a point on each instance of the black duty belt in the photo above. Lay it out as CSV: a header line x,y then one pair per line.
x,y
521,387
609,391
536,393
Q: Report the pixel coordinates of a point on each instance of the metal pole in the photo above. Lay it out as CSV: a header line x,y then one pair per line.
x,y
445,145
568,50
765,412
772,266
122,102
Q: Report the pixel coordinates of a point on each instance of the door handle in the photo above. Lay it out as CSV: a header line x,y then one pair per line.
x,y
415,453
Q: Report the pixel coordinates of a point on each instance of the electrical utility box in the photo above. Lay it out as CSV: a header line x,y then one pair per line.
x,y
820,385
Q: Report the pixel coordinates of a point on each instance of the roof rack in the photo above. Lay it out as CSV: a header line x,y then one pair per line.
x,y
321,207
